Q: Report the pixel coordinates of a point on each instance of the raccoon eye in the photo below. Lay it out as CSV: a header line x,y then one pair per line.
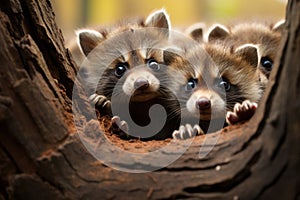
x,y
224,84
153,64
266,63
121,69
191,84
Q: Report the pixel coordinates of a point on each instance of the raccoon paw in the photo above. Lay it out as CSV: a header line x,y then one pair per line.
x,y
119,127
187,131
102,104
241,112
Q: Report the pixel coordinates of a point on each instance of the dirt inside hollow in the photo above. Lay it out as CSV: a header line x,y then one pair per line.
x,y
137,145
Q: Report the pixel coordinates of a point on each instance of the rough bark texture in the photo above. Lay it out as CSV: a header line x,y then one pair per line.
x,y
42,157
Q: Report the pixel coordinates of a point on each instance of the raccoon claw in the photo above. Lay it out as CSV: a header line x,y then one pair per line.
x,y
241,112
116,121
119,127
187,131
97,99
102,104
231,118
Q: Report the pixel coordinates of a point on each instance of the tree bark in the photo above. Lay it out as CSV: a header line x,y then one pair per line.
x,y
42,156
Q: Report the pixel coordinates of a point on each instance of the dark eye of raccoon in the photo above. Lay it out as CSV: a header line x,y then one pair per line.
x,y
153,64
191,84
224,84
121,69
266,63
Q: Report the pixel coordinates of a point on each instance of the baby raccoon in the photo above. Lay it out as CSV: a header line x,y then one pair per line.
x,y
267,36
126,67
214,80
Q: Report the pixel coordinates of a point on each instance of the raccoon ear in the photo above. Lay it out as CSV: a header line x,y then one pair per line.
x,y
279,26
159,19
216,32
196,31
249,53
88,40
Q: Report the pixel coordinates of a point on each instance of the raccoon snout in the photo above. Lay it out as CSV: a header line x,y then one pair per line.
x,y
141,84
203,104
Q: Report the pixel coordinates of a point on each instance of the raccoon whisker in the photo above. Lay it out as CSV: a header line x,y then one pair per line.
x,y
174,114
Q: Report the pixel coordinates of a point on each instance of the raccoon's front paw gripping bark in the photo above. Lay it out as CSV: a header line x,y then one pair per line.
x,y
102,104
187,131
119,127
241,112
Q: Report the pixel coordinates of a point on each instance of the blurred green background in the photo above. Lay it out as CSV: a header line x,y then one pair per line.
x,y
74,14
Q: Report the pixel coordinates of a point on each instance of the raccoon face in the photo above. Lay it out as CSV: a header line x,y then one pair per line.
x,y
215,81
267,53
140,81
138,73
206,103
265,67
198,87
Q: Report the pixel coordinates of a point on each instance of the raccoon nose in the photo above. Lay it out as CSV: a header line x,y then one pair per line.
x,y
203,103
141,84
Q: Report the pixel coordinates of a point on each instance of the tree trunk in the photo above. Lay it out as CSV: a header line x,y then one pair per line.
x,y
42,156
